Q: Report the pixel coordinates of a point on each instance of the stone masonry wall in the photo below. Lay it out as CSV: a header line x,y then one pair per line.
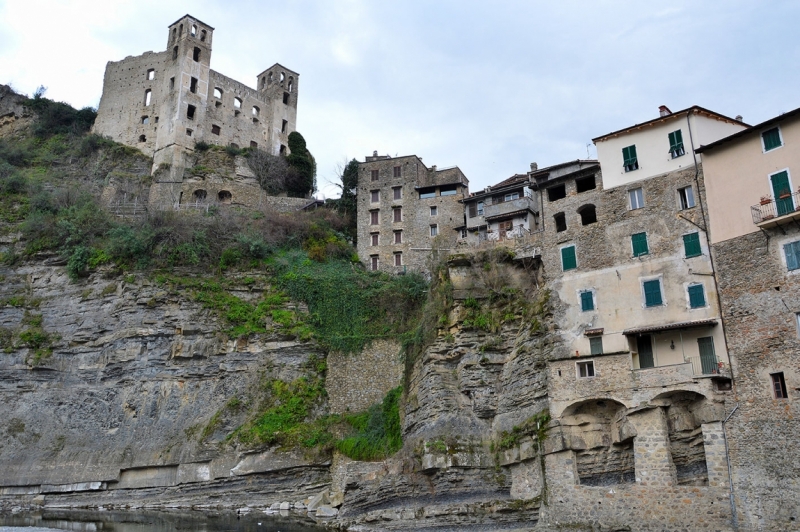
x,y
357,381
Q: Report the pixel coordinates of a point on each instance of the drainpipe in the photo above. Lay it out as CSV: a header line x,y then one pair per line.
x,y
734,517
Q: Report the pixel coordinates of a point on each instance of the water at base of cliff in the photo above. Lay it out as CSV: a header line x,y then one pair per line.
x,y
146,521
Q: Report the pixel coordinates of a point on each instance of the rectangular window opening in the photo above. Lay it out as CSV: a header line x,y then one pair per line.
x,y
398,259
215,129
375,196
397,171
374,239
151,74
697,296
561,222
686,197
792,252
374,175
585,183
779,386
691,245
397,193
596,345
373,259
397,213
426,193
398,237
448,190
585,369
188,132
171,83
629,160
771,139
190,112
652,293
193,86
639,244
373,217
286,98
587,300
434,210
480,208
676,144
557,192
636,198
284,123
569,260
434,230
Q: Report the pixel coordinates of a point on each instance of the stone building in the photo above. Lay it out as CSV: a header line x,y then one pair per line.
x,y
407,212
165,102
505,210
754,209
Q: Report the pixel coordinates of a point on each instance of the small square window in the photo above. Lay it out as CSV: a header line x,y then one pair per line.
x,y
569,260
691,245
374,196
771,139
151,74
373,259
434,210
215,129
374,239
398,259
697,296
652,293
629,160
373,175
434,230
398,237
596,345
686,198
585,369
398,214
373,217
188,132
779,385
587,300
556,193
639,244
397,193
397,171
145,120
636,198
676,144
792,252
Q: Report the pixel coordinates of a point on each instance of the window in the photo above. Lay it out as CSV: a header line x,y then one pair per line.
x,y
676,144
557,192
792,252
151,74
585,183
374,239
373,260
397,193
145,120
217,93
587,300
398,237
639,244
171,83
282,150
291,85
286,98
190,112
374,175
511,197
375,196
156,120
373,217
193,85
779,385
480,208
147,96
397,171
561,221
691,245
686,197
284,123
771,139
175,53
203,36
585,369
215,129
568,259
200,194
652,293
256,111
596,345
142,138
397,214
434,230
636,198
194,30
629,160
434,211
189,132
697,296
253,144
426,193
398,259
448,191
237,103
196,54
588,214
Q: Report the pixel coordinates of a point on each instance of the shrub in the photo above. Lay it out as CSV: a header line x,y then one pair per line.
x,y
378,431
13,184
53,118
202,145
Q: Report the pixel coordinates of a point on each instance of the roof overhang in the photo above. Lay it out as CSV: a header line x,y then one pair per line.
x,y
696,109
671,327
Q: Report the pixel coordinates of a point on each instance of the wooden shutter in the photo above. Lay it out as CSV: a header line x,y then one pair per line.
x,y
790,250
473,210
772,139
691,245
652,293
708,360
697,297
639,244
780,187
568,259
587,301
644,347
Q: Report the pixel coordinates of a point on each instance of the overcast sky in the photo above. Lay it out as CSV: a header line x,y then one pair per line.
x,y
488,86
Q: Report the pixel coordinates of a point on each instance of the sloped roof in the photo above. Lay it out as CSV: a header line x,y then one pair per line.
x,y
752,129
695,109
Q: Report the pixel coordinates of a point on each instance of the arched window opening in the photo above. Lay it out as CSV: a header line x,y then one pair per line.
x,y
225,197
269,77
145,120
263,81
199,195
175,53
174,34
283,77
142,138
194,30
217,93
147,96
253,144
561,222
588,214
196,55
180,31
237,103
151,74
193,85
203,36
291,84
256,110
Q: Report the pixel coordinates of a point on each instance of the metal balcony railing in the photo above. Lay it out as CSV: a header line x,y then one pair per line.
x,y
706,365
771,208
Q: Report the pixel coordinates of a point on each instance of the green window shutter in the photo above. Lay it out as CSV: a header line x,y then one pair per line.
x,y
691,245
639,244
791,251
587,301
596,345
629,157
568,259
676,143
652,293
772,139
697,297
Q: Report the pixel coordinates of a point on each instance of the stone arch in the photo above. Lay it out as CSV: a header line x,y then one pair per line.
x,y
283,77
225,197
142,138
588,214
599,433
291,84
199,195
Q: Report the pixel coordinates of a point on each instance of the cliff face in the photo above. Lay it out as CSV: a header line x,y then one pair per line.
x,y
125,386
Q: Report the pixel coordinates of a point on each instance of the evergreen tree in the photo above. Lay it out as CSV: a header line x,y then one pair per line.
x,y
303,167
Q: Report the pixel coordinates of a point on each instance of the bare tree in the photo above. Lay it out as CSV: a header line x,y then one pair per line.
x,y
272,171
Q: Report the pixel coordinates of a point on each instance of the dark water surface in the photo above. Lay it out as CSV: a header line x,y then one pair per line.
x,y
145,521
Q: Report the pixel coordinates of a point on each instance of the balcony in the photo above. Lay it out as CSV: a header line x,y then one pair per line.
x,y
506,208
770,212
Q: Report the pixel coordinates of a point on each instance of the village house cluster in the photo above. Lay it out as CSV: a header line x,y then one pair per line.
x,y
673,262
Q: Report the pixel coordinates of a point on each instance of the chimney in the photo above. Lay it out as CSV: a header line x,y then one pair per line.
x,y
375,153
663,110
739,118
433,168
534,167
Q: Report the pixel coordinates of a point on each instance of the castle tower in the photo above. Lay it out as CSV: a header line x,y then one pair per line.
x,y
278,86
